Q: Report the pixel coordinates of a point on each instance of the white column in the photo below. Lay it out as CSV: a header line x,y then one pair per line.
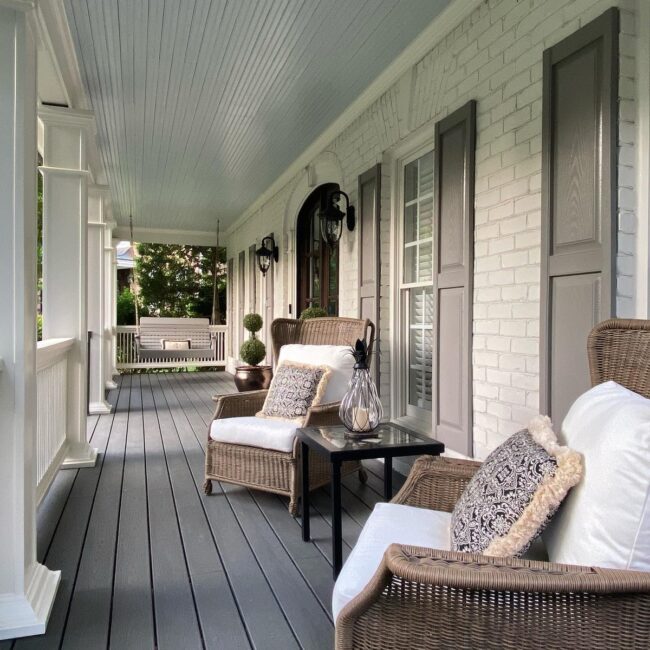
x,y
98,285
27,588
110,296
63,135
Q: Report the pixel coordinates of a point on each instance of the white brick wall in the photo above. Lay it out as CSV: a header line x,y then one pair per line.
x,y
495,57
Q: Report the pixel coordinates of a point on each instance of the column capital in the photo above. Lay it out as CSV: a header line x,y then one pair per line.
x,y
65,136
62,116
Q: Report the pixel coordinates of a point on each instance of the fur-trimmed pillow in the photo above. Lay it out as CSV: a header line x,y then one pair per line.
x,y
295,387
514,494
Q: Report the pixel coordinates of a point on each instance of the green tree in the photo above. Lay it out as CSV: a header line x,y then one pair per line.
x,y
178,280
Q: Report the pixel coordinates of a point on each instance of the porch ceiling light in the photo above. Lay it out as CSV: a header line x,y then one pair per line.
x,y
267,252
331,218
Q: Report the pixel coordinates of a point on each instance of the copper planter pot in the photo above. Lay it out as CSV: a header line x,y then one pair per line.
x,y
253,377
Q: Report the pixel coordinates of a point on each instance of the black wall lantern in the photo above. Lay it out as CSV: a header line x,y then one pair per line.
x,y
265,253
331,218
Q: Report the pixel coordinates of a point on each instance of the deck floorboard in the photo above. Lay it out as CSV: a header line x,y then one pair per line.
x,y
148,561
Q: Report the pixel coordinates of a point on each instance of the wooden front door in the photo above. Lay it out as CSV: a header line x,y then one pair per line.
x,y
318,263
578,205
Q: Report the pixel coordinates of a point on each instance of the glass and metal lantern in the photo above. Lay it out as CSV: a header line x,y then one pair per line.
x,y
266,253
361,409
331,218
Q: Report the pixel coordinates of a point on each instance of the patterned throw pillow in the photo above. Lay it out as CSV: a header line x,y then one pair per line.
x,y
294,388
515,493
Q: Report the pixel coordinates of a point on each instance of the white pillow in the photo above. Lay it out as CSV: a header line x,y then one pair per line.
x,y
338,357
605,519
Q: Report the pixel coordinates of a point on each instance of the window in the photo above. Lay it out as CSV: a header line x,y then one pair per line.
x,y
416,300
318,263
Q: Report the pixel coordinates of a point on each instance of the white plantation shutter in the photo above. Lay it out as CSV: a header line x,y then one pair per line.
x,y
417,291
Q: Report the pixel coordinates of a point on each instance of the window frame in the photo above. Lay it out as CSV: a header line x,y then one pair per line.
x,y
415,417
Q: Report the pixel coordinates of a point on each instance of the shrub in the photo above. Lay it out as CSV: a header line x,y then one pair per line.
x,y
252,351
313,312
125,307
253,323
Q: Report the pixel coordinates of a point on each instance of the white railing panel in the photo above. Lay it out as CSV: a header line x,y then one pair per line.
x,y
127,356
52,410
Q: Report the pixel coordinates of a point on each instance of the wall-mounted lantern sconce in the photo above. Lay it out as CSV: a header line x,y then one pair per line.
x,y
267,252
331,218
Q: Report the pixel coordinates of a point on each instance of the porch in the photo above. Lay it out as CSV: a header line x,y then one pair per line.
x,y
148,561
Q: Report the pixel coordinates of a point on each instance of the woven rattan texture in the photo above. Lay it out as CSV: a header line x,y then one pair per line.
x,y
430,599
269,470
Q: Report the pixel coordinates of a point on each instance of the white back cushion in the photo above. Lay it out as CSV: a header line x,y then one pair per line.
x,y
338,357
605,519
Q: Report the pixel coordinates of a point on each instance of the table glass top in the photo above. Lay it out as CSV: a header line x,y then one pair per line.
x,y
385,435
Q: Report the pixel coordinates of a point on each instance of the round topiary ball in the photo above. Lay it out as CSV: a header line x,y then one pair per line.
x,y
252,351
253,323
313,312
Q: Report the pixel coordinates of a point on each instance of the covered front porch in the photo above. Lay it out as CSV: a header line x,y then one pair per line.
x,y
148,561
464,182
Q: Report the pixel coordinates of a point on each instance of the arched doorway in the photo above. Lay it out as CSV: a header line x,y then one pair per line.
x,y
317,268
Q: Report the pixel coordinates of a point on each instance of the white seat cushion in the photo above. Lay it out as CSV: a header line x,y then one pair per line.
x,y
255,432
605,519
389,523
337,357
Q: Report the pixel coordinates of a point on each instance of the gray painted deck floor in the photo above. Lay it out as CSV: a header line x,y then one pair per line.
x,y
148,561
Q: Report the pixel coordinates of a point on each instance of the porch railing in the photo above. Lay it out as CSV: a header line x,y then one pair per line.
x,y
52,409
127,355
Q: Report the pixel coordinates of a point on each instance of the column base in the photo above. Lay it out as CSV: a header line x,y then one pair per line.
x,y
99,408
111,385
27,614
79,454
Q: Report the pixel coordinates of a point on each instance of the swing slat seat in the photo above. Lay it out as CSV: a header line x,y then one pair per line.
x,y
154,334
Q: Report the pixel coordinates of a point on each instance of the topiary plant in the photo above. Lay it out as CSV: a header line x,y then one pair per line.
x,y
313,312
252,351
253,323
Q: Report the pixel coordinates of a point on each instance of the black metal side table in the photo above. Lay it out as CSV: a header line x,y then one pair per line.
x,y
390,440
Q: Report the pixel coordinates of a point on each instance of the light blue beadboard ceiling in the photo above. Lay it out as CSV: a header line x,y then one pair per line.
x,y
201,105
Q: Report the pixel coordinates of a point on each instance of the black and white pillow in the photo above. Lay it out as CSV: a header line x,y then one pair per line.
x,y
515,493
295,387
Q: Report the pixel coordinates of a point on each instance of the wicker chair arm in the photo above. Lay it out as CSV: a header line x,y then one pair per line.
x,y
436,483
323,415
239,404
484,602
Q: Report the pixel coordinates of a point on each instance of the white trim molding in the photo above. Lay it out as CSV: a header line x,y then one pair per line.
x,y
166,236
26,615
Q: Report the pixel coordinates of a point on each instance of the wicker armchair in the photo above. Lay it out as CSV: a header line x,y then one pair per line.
x,y
276,471
426,598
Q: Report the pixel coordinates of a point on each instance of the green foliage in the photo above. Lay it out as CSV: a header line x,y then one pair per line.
x,y
125,307
313,312
178,280
39,327
252,351
253,323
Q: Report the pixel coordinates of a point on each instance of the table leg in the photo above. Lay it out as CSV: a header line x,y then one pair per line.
x,y
337,544
388,478
304,500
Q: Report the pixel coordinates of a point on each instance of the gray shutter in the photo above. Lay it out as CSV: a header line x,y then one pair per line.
x,y
252,279
453,269
241,274
230,305
578,205
268,309
368,235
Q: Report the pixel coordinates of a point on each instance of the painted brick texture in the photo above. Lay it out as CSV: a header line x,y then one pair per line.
x,y
495,57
